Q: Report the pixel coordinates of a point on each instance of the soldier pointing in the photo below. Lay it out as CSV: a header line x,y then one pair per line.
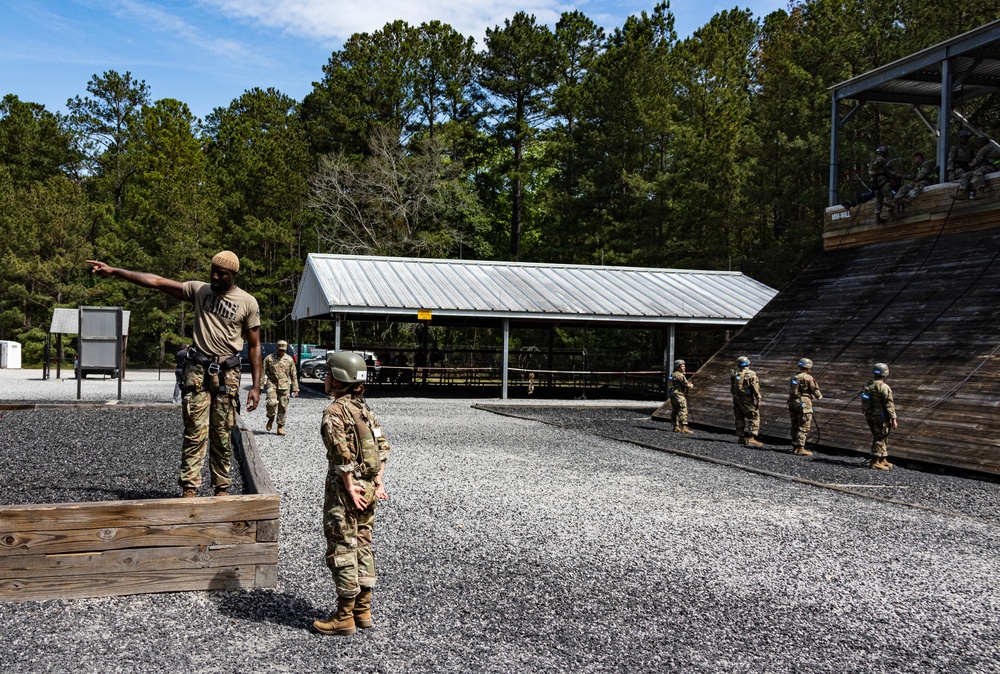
x,y
224,316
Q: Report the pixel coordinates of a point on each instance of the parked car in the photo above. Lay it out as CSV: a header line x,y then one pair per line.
x,y
316,367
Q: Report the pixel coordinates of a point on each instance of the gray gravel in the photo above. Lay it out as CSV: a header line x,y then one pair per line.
x,y
511,545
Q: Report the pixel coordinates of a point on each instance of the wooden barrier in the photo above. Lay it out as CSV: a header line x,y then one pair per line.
x,y
107,548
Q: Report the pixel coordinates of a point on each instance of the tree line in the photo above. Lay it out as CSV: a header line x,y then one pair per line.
x,y
564,144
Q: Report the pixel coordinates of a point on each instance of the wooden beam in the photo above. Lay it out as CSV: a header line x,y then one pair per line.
x,y
13,544
137,560
152,512
110,585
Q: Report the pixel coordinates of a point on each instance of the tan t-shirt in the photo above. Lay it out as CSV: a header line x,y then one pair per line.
x,y
220,320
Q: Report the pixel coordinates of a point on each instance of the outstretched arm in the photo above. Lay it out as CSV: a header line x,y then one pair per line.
x,y
173,288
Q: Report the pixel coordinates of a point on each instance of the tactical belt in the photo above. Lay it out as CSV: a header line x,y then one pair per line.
x,y
213,367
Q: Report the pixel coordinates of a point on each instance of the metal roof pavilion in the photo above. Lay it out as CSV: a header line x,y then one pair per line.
x,y
460,291
949,73
475,292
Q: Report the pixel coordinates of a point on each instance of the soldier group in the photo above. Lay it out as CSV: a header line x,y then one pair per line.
x,y
968,164
209,383
876,403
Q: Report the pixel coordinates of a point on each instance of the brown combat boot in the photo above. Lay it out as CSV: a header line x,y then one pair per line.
x,y
677,429
363,609
341,622
752,441
885,462
270,424
189,492
281,430
877,464
221,491
685,429
801,451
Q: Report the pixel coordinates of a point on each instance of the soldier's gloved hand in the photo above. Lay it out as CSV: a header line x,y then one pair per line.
x,y
295,394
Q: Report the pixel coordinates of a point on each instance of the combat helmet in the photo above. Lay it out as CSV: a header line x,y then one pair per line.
x,y
806,363
347,367
678,363
880,369
882,149
743,361
964,133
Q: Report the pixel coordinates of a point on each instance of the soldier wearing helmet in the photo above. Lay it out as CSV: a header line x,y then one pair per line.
x,y
679,386
880,413
356,452
282,384
960,156
746,402
802,389
884,181
987,160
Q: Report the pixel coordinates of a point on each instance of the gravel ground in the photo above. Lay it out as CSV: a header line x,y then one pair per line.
x,y
511,545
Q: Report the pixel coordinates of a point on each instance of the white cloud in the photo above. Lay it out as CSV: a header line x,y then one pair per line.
x,y
336,20
176,28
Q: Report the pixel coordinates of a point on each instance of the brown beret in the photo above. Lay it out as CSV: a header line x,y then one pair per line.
x,y
227,260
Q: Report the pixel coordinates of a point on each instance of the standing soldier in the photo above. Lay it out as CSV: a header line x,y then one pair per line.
x,y
224,316
279,370
356,452
679,386
960,155
882,177
880,412
800,396
746,402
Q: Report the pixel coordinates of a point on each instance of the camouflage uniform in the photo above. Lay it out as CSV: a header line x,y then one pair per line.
x,y
679,386
209,409
882,176
959,157
281,378
924,176
879,409
987,160
802,389
354,444
746,400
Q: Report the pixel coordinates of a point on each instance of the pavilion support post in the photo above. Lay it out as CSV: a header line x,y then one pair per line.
x,y
944,121
668,351
506,358
834,154
336,333
552,345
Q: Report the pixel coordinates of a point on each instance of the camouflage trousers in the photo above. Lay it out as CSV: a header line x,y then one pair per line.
x,y
883,192
277,401
977,177
349,553
209,416
880,434
679,404
744,410
801,421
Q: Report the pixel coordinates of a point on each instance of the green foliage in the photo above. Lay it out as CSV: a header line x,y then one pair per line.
x,y
569,145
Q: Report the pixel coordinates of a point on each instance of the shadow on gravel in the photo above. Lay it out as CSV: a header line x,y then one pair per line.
x,y
268,606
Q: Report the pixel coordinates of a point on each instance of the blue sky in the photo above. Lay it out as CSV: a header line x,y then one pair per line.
x,y
208,52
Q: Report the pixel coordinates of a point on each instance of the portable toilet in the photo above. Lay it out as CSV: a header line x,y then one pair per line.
x,y
10,355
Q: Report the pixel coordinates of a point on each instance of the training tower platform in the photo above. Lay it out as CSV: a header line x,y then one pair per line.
x,y
918,292
927,304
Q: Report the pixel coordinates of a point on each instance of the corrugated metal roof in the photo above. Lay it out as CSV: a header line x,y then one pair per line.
x,y
67,321
379,286
916,79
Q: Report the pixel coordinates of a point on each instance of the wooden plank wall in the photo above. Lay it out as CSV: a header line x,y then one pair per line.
x,y
70,550
927,306
933,211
